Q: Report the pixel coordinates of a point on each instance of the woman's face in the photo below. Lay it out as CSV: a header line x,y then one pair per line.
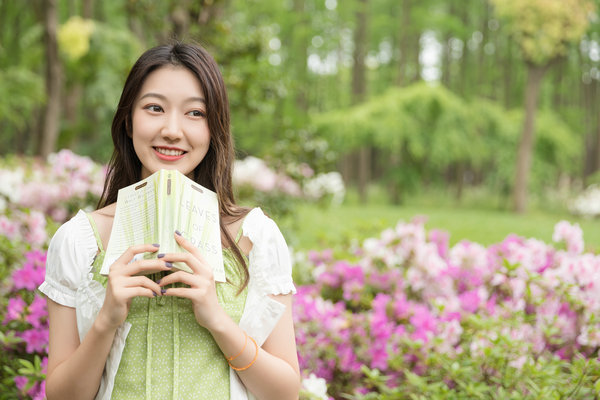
x,y
170,130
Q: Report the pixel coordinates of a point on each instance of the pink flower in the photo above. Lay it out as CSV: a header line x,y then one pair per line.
x,y
470,300
20,382
36,340
37,312
441,239
424,323
9,228
14,310
31,275
571,234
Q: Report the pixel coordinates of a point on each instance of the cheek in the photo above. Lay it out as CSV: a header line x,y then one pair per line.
x,y
201,135
142,128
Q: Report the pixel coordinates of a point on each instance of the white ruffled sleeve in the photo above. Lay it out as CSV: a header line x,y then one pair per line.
x,y
270,270
270,265
70,255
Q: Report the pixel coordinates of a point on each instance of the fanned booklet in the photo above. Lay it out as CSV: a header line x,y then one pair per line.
x,y
150,211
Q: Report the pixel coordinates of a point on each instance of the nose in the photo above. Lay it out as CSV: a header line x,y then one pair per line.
x,y
172,128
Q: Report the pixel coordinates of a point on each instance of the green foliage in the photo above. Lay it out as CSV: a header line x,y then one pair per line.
x,y
544,28
116,50
429,130
500,371
25,91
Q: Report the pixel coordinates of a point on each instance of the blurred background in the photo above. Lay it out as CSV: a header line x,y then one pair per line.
x,y
433,165
472,112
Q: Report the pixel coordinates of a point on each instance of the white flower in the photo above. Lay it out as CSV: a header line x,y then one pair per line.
x,y
10,184
587,203
317,387
322,185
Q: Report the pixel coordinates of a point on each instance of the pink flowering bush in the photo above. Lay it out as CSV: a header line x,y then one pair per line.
x,y
34,198
278,191
407,316
24,331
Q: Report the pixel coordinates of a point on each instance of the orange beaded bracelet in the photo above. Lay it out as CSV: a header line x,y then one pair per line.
x,y
253,360
241,352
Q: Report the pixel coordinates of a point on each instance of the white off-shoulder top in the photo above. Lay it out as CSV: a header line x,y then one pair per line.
x,y
69,282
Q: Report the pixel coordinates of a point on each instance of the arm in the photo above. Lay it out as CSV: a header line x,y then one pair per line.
x,y
75,369
275,374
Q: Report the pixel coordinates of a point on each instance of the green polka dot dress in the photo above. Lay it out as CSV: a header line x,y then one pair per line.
x,y
167,354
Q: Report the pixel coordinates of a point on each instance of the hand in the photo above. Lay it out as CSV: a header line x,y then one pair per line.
x,y
201,291
125,283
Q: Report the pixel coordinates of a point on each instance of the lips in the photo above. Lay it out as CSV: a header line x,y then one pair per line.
x,y
168,153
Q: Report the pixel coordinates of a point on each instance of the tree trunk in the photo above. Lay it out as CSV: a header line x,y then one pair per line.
x,y
508,75
300,41
597,114
534,79
51,124
403,42
464,59
359,90
87,10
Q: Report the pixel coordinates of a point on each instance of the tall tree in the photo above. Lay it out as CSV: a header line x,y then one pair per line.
x,y
543,30
51,125
359,88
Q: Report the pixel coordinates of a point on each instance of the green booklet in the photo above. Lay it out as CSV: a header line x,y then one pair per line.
x,y
150,211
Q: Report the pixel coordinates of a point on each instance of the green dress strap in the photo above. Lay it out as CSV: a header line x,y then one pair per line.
x,y
96,233
99,259
238,236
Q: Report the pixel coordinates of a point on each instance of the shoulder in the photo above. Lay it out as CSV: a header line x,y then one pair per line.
x,y
256,224
70,254
75,232
270,261
104,218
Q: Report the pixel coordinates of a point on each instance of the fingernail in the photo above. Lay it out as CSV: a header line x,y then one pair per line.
x,y
178,233
155,244
160,255
154,294
169,264
163,291
158,281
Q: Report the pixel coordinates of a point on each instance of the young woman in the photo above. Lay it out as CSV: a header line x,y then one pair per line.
x,y
171,335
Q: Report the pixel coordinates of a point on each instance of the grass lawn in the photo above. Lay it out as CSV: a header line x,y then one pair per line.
x,y
313,227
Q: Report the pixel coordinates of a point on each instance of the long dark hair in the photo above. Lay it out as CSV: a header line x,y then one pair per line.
x,y
214,172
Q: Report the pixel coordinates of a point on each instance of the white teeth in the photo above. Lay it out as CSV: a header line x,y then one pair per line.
x,y
169,152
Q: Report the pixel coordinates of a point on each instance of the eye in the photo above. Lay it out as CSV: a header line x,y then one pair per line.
x,y
153,108
197,113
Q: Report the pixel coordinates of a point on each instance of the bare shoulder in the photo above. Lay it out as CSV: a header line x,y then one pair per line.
x,y
233,226
104,218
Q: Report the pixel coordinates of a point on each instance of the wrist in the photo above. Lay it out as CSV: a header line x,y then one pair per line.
x,y
102,325
221,324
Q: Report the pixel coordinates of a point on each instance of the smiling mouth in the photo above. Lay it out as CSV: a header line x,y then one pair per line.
x,y
169,152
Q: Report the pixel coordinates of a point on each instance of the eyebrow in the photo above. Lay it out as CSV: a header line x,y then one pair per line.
x,y
162,97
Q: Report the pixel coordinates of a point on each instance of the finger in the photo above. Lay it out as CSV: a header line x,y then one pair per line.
x,y
128,255
187,293
187,245
181,277
142,281
198,266
144,267
139,291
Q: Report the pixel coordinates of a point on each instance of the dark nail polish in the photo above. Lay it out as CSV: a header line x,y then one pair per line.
x,y
160,255
178,233
154,294
163,291
155,244
169,264
158,281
